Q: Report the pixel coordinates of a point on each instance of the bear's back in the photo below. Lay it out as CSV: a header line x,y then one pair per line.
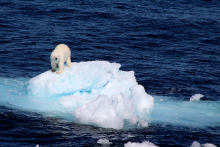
x,y
62,48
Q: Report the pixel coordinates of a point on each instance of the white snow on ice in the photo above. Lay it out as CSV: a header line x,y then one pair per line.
x,y
101,94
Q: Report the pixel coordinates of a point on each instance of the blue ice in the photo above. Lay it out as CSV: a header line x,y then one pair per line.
x,y
98,93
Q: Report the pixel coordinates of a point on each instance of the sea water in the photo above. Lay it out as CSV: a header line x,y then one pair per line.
x,y
144,73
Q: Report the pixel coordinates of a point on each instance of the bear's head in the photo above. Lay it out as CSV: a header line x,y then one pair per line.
x,y
55,57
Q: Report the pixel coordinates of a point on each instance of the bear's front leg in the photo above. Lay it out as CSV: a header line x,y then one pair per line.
x,y
68,62
61,67
53,66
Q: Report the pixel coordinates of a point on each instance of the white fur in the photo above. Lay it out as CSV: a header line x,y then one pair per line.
x,y
60,55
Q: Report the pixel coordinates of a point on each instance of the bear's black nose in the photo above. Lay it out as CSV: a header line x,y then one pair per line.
x,y
55,58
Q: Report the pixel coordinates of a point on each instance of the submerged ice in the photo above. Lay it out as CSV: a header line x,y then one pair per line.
x,y
186,113
98,93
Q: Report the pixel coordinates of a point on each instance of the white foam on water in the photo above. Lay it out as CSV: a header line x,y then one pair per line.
x,y
143,144
98,93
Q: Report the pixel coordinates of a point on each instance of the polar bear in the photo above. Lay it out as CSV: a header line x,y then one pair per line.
x,y
60,55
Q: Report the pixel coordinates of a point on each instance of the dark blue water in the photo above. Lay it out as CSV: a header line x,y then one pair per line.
x,y
172,46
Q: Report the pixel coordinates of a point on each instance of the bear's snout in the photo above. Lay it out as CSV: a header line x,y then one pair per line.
x,y
55,58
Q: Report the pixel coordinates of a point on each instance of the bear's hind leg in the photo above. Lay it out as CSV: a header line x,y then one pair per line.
x,y
68,62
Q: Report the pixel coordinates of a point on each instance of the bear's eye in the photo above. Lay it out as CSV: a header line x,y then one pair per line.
x,y
55,58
